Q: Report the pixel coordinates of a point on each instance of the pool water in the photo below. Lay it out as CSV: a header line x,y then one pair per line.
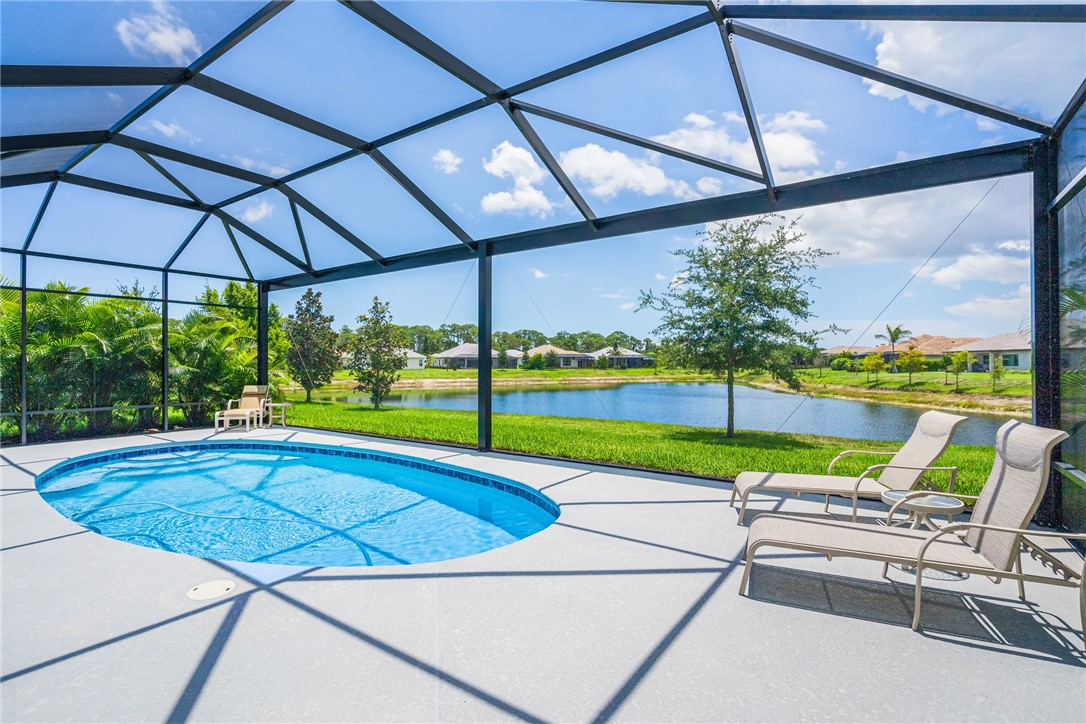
x,y
297,505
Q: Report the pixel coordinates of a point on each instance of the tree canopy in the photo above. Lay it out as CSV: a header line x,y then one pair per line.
x,y
313,357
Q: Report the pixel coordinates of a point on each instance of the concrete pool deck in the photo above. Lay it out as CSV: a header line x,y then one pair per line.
x,y
625,609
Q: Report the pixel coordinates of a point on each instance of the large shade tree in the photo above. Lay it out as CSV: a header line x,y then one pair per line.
x,y
740,301
312,358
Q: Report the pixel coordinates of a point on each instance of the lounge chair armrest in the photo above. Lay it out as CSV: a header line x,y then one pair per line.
x,y
876,468
1022,532
846,453
231,403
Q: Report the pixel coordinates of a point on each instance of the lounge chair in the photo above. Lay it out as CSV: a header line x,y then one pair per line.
x,y
929,440
995,534
249,408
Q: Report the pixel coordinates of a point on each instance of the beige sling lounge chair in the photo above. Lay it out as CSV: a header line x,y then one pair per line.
x,y
905,470
993,539
249,408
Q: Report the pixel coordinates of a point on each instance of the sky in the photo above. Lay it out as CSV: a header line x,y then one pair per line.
x,y
320,59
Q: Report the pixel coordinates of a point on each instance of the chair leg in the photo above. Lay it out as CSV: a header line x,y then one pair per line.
x,y
743,508
731,503
885,570
748,563
916,598
855,509
1021,583
826,508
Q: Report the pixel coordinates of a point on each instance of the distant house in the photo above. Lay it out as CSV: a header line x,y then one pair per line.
x,y
566,358
854,351
624,358
415,361
933,347
1015,349
466,357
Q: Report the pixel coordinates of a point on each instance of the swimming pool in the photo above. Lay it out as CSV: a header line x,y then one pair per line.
x,y
294,504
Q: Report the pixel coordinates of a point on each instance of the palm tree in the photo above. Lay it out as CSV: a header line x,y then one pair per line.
x,y
893,336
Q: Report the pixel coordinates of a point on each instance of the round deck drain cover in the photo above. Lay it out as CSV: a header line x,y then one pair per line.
x,y
211,589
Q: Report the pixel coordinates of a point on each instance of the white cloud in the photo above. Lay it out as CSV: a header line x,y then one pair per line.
x,y
257,212
609,172
1011,311
160,33
518,164
708,186
1015,245
628,306
612,295
252,164
984,60
446,161
176,130
538,273
660,277
982,266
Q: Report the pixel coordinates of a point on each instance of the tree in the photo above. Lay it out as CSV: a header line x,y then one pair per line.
x,y
912,360
960,362
996,369
535,362
739,301
312,358
377,356
873,363
893,336
551,359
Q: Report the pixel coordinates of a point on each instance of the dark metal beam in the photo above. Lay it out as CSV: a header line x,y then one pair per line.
x,y
169,176
901,82
301,231
110,187
121,264
184,244
1004,160
189,159
638,141
419,195
38,141
272,110
425,47
1045,329
437,120
549,161
485,382
1051,13
237,249
28,179
317,213
166,349
262,333
38,216
745,101
259,239
1072,108
22,348
45,76
1070,191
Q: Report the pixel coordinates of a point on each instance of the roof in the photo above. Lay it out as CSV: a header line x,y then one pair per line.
x,y
471,349
411,354
853,349
1019,341
929,344
194,163
548,348
622,352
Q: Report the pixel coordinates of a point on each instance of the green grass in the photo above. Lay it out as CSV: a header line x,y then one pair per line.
x,y
1013,384
673,448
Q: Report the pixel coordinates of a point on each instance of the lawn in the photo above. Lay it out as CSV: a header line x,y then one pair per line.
x,y
673,448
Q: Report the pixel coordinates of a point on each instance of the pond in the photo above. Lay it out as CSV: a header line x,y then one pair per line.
x,y
703,404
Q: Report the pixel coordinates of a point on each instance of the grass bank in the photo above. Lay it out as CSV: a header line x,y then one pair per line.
x,y
437,378
672,448
1012,395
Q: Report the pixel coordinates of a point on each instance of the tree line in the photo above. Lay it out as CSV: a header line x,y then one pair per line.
x,y
427,340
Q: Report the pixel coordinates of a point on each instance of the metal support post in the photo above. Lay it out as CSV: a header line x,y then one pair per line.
x,y
1046,315
262,333
165,350
486,323
22,349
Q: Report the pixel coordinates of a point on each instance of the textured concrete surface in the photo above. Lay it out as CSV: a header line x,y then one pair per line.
x,y
625,609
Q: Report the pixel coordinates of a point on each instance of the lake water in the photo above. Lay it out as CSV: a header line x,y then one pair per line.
x,y
703,404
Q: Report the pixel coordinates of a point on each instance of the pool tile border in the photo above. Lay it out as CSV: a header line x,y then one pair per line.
x,y
469,476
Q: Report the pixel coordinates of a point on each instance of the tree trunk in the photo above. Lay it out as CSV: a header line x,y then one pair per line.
x,y
308,394
731,401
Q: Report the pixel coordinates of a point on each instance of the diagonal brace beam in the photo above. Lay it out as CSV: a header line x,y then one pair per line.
x,y
318,213
260,239
427,203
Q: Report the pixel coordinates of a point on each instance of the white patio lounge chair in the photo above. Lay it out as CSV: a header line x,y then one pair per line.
x,y
994,536
249,408
929,440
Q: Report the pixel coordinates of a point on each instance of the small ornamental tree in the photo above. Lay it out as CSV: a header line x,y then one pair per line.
x,y
535,362
873,363
312,358
551,359
912,360
377,356
996,370
893,336
960,362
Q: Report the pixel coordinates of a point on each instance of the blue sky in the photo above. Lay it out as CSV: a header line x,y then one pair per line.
x,y
320,59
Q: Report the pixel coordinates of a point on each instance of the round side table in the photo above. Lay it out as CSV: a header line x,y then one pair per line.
x,y
276,411
920,507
